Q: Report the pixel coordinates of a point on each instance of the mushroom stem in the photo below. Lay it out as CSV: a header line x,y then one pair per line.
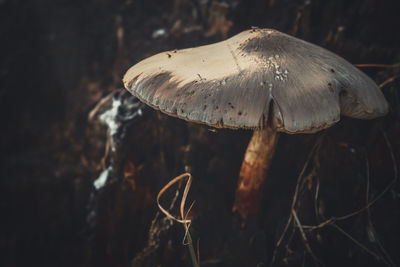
x,y
253,172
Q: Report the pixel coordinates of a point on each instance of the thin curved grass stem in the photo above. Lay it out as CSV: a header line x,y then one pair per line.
x,y
186,222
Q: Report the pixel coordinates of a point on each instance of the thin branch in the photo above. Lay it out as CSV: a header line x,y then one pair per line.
x,y
389,145
388,261
357,242
331,221
316,196
372,202
397,65
388,66
294,200
391,79
304,237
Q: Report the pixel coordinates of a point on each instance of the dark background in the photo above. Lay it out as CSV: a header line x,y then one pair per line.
x,y
58,58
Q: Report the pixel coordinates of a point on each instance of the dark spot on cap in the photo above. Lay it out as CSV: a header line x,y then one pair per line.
x,y
330,87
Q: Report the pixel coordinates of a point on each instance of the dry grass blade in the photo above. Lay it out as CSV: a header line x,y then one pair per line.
x,y
185,193
183,220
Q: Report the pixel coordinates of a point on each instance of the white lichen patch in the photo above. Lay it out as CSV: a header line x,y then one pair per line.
x,y
102,179
159,33
109,119
272,65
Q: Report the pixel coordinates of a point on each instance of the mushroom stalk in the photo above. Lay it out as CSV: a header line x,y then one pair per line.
x,y
253,172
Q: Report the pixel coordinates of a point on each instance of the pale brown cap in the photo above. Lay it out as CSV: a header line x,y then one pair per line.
x,y
255,79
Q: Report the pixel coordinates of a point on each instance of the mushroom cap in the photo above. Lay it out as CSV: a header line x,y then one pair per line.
x,y
258,78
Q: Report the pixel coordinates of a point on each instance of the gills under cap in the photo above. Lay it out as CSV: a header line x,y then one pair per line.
x,y
255,79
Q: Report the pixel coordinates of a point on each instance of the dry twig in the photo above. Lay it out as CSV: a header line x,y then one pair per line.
x,y
390,66
331,221
296,192
391,79
369,204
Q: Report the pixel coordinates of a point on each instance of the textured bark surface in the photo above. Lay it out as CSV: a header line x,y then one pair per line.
x,y
59,58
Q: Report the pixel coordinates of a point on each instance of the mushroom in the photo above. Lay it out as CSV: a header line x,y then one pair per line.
x,y
262,80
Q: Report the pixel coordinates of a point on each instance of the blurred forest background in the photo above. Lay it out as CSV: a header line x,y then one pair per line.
x,y
60,58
